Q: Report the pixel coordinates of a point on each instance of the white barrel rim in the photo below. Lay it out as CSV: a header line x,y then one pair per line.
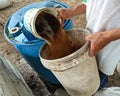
x,y
31,15
48,10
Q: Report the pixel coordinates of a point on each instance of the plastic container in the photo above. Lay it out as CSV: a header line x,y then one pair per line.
x,y
26,44
78,71
30,18
4,3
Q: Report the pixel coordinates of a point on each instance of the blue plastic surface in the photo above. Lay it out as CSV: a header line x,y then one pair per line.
x,y
27,47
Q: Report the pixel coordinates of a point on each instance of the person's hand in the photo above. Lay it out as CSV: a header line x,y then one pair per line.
x,y
64,14
97,41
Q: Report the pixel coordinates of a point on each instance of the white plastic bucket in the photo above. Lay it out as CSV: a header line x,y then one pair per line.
x,y
4,3
31,15
77,72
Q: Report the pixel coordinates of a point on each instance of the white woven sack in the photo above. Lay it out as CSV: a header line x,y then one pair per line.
x,y
112,91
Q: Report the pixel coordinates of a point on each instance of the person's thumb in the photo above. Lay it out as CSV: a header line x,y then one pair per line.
x,y
91,52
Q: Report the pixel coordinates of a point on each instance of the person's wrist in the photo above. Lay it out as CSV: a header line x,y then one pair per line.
x,y
72,13
110,35
114,34
79,9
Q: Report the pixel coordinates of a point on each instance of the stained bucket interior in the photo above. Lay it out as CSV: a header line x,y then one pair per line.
x,y
76,37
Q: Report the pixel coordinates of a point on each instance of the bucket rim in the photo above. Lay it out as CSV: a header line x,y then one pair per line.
x,y
66,57
56,64
38,11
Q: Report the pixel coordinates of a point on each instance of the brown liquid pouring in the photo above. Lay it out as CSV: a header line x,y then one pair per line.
x,y
50,29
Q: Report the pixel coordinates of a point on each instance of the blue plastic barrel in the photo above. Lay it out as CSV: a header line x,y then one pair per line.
x,y
29,48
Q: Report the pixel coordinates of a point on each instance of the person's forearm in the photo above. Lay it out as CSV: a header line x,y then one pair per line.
x,y
79,9
114,34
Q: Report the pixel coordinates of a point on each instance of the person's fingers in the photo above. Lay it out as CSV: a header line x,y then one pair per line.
x,y
60,11
58,16
91,47
89,37
62,21
91,51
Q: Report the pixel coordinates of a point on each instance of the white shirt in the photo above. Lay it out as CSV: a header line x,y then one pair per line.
x,y
104,15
